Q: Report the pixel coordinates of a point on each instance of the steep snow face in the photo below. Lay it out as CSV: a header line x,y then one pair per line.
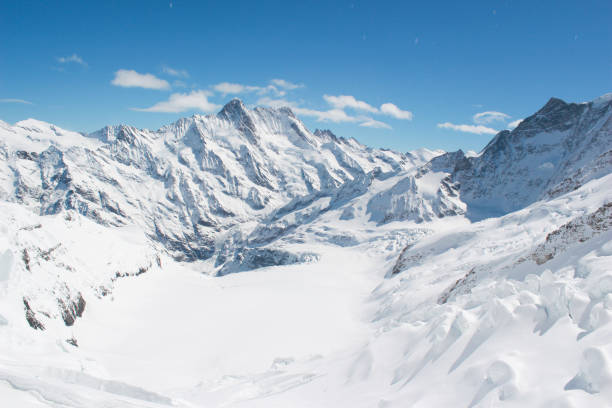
x,y
187,181
554,151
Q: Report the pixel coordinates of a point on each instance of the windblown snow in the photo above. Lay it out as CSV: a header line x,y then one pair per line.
x,y
240,260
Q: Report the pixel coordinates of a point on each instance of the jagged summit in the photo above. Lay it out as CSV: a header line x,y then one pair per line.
x,y
552,104
233,108
236,109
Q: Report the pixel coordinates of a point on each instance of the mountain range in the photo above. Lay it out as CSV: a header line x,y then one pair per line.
x,y
485,275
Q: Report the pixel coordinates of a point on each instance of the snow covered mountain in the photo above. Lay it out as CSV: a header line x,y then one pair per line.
x,y
369,278
556,150
188,181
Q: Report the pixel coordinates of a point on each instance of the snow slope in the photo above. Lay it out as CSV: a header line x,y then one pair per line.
x,y
385,288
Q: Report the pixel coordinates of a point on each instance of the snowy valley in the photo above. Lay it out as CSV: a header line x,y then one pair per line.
x,y
241,260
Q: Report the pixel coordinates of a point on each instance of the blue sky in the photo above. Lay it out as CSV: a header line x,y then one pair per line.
x,y
400,75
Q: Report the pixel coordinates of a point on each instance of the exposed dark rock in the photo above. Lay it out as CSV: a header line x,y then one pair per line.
x,y
25,256
27,155
72,309
46,255
400,264
578,230
72,341
31,317
31,227
463,285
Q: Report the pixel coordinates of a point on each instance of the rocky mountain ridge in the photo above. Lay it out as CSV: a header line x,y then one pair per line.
x,y
186,182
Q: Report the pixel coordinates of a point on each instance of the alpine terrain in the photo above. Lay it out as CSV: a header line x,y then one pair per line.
x,y
241,260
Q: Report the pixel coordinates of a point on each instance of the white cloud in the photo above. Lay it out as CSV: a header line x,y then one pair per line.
x,y
349,101
332,115
281,83
228,88
514,124
371,123
181,102
484,118
175,72
128,78
477,129
277,86
392,110
12,100
72,58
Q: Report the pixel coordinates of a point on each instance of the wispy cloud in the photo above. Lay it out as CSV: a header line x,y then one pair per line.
x,y
371,123
484,118
332,115
181,73
349,101
13,100
128,78
476,129
281,83
514,124
392,110
278,87
72,58
228,88
181,102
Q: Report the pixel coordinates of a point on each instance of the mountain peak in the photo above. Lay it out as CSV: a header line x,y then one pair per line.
x,y
553,104
233,108
325,134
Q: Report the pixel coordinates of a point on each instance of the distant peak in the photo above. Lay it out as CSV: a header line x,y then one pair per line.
x,y
325,133
30,122
287,111
233,107
553,104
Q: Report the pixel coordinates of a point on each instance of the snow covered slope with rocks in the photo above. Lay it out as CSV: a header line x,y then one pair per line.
x,y
368,278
